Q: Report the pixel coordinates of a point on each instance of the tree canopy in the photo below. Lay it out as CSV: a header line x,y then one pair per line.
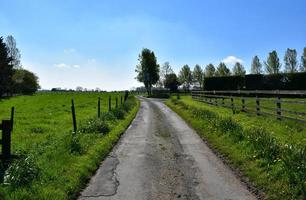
x,y
210,70
222,70
290,60
238,69
198,75
185,77
303,61
171,82
147,69
256,67
6,69
272,64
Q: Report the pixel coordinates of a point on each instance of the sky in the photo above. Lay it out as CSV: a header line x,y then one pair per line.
x,y
96,43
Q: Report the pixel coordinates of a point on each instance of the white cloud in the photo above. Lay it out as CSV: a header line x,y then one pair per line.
x,y
70,50
231,60
65,66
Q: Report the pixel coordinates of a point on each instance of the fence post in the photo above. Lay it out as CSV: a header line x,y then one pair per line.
x,y
178,95
222,100
73,116
257,106
243,105
99,107
278,108
116,102
216,102
109,103
6,138
232,104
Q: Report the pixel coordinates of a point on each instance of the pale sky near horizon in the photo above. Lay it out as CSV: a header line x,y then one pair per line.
x,y
95,43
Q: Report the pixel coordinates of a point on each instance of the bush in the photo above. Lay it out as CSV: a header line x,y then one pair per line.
x,y
21,172
118,113
95,125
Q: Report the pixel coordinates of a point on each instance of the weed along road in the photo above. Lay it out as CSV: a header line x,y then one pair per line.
x,y
161,157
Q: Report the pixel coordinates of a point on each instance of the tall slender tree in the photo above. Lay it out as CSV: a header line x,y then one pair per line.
x,y
256,67
198,75
272,64
222,70
147,70
165,70
13,52
303,61
290,60
6,70
210,70
185,77
238,69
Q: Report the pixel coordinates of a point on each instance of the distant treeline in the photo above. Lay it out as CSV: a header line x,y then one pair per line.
x,y
13,78
267,75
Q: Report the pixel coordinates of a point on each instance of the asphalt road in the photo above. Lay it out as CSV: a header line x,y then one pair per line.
x,y
160,157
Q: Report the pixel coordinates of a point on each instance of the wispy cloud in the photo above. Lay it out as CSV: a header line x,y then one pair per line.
x,y
69,50
231,60
66,66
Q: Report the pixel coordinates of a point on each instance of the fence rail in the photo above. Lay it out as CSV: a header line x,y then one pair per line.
x,y
272,106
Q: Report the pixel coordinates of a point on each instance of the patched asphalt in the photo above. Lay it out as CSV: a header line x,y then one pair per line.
x,y
160,157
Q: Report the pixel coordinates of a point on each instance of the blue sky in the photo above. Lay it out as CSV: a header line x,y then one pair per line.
x,y
95,43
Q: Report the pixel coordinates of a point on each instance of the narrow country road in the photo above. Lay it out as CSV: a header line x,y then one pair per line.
x,y
161,158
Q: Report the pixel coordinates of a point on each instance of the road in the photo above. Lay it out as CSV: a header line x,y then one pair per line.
x,y
160,157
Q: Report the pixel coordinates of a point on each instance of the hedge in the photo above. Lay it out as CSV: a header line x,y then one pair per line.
x,y
283,81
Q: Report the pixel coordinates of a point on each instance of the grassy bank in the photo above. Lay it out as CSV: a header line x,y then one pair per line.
x,y
54,162
269,153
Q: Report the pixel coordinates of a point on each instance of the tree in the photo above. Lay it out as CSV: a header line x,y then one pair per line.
x,y
171,82
166,69
290,60
13,52
273,65
79,89
222,70
238,69
256,67
303,61
25,82
210,70
185,77
147,69
6,70
198,75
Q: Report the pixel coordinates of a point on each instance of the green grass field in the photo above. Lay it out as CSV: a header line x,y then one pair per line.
x,y
54,162
269,152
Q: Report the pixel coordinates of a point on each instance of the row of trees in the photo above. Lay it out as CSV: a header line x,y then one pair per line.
x,y
13,78
149,71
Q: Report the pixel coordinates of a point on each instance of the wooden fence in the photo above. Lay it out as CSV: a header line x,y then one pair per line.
x,y
258,102
6,127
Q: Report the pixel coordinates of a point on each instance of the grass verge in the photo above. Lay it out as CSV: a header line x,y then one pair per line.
x,y
269,153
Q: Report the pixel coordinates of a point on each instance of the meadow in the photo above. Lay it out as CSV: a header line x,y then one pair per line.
x,y
53,161
269,154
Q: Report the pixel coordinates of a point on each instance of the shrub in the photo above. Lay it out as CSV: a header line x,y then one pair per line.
x,y
118,113
21,172
95,125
